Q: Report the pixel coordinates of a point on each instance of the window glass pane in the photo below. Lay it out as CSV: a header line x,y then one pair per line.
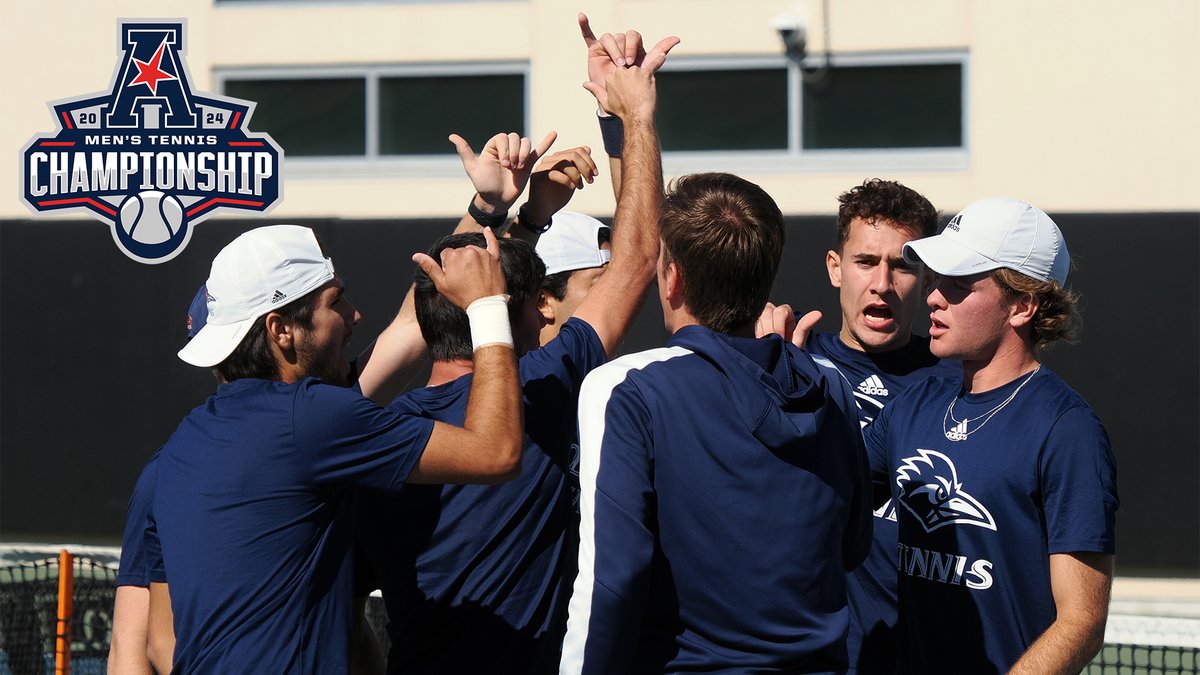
x,y
917,106
308,117
723,109
416,114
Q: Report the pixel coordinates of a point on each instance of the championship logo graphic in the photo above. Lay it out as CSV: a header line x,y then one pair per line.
x,y
930,491
150,157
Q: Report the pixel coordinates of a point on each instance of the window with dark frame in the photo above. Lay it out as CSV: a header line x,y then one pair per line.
x,y
308,117
885,106
900,106
328,117
701,110
416,114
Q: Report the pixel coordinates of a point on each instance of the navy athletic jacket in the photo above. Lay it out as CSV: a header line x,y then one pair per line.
x,y
724,495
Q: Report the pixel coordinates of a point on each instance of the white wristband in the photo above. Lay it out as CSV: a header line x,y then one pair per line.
x,y
489,322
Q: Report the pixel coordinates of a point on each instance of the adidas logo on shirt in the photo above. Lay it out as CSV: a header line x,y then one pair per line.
x,y
873,386
959,432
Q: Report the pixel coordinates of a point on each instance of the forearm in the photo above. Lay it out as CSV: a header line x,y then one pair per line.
x,y
635,224
128,653
494,408
1082,585
614,174
1067,646
396,356
524,231
161,643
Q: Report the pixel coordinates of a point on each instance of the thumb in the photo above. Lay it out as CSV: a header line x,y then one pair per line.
x,y
493,244
465,153
666,44
804,326
654,61
540,150
599,92
430,266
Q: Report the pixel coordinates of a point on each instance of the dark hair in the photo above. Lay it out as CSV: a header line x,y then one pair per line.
x,y
253,356
444,326
878,199
725,234
556,284
1057,316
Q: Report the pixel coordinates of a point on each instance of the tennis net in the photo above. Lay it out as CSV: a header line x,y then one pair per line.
x,y
1134,644
1146,645
30,632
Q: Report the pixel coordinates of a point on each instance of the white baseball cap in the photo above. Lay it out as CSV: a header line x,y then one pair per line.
x,y
993,233
572,243
261,270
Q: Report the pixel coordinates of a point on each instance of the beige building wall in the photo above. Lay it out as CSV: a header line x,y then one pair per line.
x,y
1075,105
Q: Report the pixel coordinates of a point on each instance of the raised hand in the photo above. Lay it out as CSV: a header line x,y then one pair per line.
x,y
781,320
468,273
627,93
620,50
500,172
555,180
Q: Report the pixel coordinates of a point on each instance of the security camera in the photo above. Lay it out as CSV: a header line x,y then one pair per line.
x,y
792,31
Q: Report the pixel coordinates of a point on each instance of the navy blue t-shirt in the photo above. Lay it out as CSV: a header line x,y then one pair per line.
x,y
876,379
980,517
140,552
475,577
252,506
724,495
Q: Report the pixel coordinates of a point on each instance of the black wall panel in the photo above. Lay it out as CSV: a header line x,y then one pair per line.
x,y
90,385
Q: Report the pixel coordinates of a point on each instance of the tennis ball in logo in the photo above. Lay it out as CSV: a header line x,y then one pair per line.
x,y
150,217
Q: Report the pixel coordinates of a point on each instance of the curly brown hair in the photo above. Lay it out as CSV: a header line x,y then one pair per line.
x,y
878,199
1057,317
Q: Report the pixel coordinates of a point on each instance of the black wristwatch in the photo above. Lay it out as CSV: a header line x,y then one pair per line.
x,y
527,223
492,220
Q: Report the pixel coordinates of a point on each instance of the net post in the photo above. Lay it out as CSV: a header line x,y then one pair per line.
x,y
66,597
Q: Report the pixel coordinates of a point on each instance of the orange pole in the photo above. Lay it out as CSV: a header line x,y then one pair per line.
x,y
66,602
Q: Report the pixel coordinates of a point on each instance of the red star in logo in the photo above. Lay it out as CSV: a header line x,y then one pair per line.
x,y
149,73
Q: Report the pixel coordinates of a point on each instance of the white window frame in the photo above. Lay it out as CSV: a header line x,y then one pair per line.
x,y
372,164
797,159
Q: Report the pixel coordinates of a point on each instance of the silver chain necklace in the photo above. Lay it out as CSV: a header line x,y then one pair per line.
x,y
958,432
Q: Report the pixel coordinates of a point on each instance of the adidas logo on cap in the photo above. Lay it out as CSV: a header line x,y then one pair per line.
x,y
279,295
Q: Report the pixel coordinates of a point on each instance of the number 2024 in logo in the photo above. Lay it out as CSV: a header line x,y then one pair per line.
x,y
150,157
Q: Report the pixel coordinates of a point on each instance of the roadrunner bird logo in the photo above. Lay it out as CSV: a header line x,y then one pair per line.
x,y
930,491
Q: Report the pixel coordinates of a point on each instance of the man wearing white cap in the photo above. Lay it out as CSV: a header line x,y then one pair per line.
x,y
252,498
576,250
1004,480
